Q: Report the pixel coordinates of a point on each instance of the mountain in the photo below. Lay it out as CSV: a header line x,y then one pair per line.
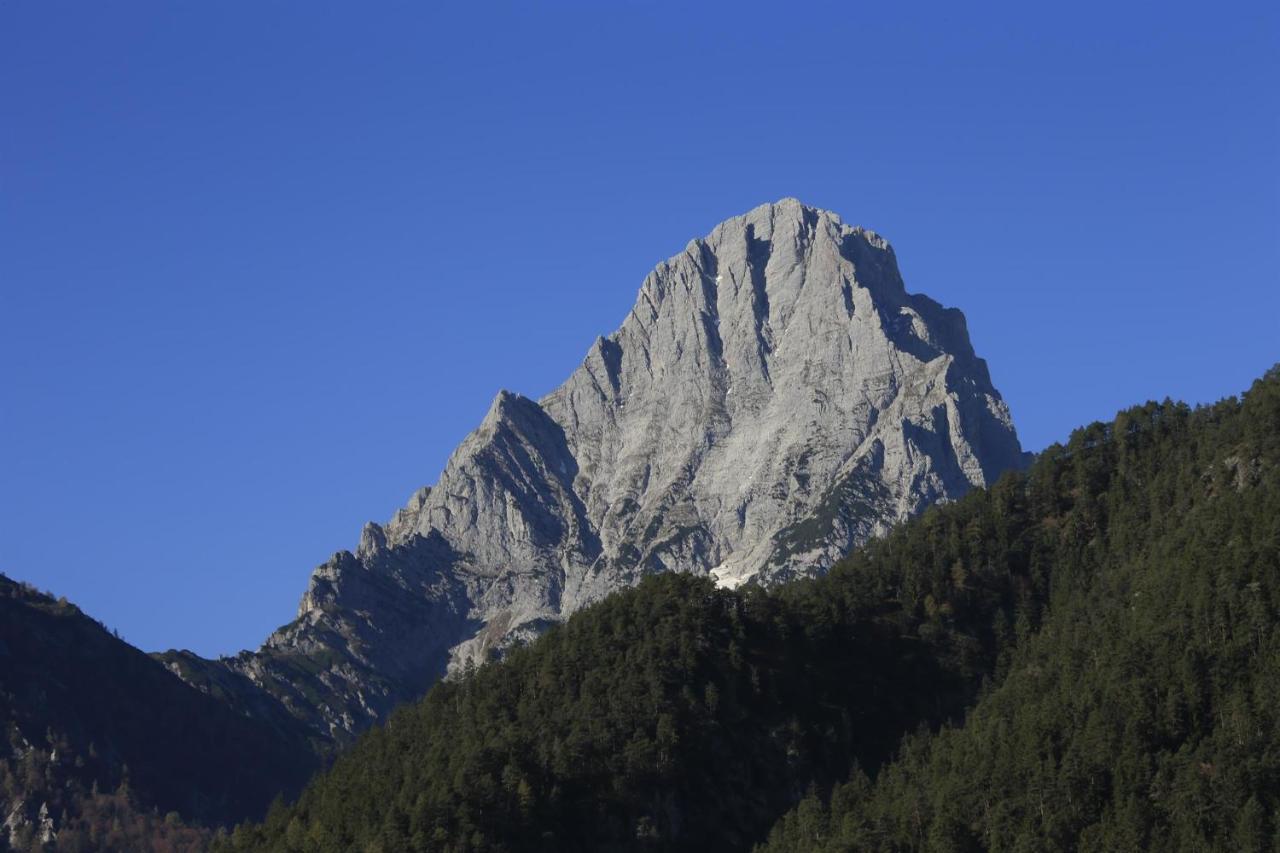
x,y
1083,656
774,398
96,731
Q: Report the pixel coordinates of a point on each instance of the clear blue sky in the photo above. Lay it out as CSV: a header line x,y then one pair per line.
x,y
263,264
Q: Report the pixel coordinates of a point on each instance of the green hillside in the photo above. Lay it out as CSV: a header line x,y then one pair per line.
x,y
1098,635
1144,714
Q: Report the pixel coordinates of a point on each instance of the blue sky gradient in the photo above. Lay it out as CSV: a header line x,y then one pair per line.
x,y
263,264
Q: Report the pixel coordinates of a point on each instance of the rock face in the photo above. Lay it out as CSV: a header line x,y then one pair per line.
x,y
774,398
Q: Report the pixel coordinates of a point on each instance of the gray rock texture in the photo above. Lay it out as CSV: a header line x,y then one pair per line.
x,y
774,398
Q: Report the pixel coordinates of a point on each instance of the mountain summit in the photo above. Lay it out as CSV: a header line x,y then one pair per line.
x,y
774,398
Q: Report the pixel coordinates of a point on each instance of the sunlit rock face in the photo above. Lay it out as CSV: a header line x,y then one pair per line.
x,y
774,398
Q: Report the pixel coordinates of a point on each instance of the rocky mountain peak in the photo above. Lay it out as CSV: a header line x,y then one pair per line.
x,y
774,398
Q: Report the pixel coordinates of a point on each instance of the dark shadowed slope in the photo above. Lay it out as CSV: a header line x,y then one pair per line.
x,y
85,712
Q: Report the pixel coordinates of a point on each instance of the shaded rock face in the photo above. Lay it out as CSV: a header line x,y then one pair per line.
x,y
774,398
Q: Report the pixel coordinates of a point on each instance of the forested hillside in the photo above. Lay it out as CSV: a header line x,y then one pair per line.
x,y
1145,713
1108,617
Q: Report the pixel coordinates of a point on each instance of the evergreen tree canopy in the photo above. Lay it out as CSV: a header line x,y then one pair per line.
x,y
1144,714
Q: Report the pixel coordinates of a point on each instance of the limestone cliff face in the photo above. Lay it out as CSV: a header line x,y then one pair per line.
x,y
774,398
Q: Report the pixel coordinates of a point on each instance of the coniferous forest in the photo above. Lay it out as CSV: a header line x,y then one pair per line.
x,y
1082,657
